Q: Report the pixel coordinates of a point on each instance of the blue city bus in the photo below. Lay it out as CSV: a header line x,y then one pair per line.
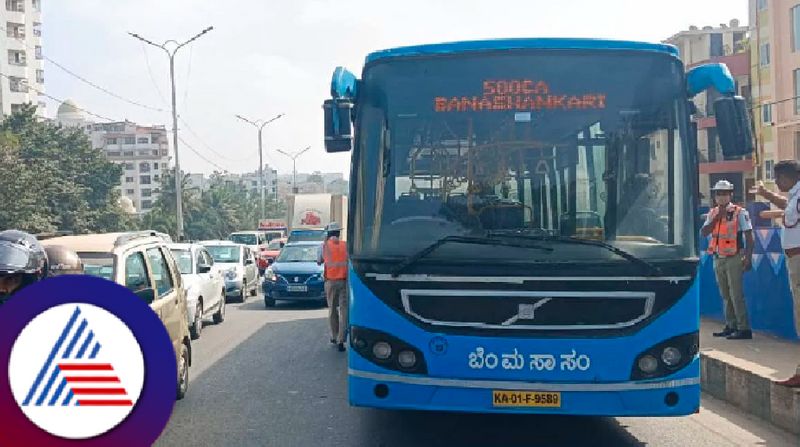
x,y
522,230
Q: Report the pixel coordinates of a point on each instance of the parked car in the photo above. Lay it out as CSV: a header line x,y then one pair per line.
x,y
238,265
205,286
307,235
274,249
142,262
257,241
295,275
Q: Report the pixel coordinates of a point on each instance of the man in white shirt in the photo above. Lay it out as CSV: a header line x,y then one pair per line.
x,y
731,245
787,177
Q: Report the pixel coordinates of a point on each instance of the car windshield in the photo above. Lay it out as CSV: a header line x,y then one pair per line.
x,y
244,239
526,143
275,245
273,235
225,253
299,253
307,236
184,259
98,264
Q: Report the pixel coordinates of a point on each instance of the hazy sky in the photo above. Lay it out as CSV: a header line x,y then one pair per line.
x,y
266,57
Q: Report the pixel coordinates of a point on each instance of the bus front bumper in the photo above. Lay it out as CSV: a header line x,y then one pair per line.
x,y
664,397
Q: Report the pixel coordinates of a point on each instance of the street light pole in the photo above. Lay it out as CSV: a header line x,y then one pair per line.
x,y
259,124
294,166
178,176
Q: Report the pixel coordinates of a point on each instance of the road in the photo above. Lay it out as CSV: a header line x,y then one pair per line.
x,y
270,378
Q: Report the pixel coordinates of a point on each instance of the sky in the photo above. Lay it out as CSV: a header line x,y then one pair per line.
x,y
266,57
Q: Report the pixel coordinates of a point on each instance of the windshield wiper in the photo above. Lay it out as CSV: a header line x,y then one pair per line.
x,y
520,234
414,258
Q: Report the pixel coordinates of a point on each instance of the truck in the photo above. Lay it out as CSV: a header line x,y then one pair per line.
x,y
274,228
315,211
522,233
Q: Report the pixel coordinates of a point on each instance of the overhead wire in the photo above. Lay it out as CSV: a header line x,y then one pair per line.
x,y
191,148
83,79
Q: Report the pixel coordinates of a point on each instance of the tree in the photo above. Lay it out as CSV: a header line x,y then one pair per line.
x,y
52,179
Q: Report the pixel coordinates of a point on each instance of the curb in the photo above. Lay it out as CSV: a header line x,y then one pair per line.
x,y
749,386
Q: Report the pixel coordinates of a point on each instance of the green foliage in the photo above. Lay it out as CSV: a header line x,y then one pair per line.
x,y
52,179
214,213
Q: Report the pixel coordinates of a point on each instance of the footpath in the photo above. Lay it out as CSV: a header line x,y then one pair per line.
x,y
743,373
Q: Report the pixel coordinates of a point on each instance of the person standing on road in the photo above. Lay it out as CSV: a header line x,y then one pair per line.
x,y
731,234
23,262
334,257
787,178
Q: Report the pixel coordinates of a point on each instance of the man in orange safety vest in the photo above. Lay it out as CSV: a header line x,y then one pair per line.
x,y
334,256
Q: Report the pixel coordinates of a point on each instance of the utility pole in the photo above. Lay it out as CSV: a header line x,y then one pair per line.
x,y
259,124
178,176
294,166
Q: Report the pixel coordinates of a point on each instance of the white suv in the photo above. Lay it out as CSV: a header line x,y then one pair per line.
x,y
142,262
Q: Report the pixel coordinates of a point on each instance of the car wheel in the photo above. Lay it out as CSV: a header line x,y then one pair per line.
x,y
197,324
183,372
219,316
269,302
243,293
254,292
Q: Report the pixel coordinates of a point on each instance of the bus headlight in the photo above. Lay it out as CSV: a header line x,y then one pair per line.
x,y
407,359
648,364
382,350
671,356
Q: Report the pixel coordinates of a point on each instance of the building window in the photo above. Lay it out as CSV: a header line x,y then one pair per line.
x,y
16,108
144,167
797,92
764,54
762,5
130,140
37,29
144,179
155,166
155,152
111,141
128,153
766,114
768,166
38,52
113,153
143,140
15,30
16,84
129,180
716,45
129,166
147,193
164,166
130,192
37,5
15,5
713,144
156,178
40,76
147,204
17,57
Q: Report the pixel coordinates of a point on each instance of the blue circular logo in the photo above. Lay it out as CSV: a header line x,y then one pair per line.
x,y
89,363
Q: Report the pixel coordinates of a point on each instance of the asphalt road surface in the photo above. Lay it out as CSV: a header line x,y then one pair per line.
x,y
270,378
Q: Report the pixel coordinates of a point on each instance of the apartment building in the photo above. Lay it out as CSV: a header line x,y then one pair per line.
x,y
21,59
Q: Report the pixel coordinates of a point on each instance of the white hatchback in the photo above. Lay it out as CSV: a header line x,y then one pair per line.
x,y
205,285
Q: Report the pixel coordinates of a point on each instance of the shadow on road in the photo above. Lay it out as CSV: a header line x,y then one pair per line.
x,y
257,303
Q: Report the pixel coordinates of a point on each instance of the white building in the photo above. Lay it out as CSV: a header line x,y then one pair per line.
x,y
21,55
143,151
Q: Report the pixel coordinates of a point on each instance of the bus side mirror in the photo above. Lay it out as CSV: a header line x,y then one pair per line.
x,y
733,126
338,125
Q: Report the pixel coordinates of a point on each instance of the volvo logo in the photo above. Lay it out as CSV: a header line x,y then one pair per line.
x,y
526,311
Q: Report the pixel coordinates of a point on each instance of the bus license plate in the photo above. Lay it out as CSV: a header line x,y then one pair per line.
x,y
297,288
526,399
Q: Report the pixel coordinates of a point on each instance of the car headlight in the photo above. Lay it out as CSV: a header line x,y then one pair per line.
x,y
231,274
270,275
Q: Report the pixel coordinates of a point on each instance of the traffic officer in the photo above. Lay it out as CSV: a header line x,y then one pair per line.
x,y
334,256
23,262
731,235
787,178
63,261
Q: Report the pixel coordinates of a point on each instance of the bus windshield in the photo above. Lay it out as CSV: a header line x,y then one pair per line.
x,y
563,143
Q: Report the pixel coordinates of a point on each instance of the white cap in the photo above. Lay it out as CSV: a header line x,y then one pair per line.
x,y
333,226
